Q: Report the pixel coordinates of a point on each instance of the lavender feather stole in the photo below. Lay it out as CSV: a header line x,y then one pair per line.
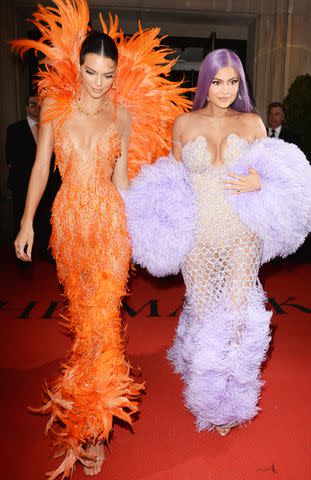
x,y
160,206
160,216
280,213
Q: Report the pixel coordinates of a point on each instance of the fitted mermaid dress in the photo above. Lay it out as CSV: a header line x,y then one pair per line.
x,y
223,332
91,247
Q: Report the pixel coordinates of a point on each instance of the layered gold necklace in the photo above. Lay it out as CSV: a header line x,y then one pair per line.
x,y
90,114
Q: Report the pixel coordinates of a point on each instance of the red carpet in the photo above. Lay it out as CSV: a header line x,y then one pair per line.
x,y
164,444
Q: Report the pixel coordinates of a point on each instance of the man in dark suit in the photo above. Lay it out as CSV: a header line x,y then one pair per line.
x,y
20,154
276,127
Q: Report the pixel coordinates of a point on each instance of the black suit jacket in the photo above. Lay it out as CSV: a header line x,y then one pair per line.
x,y
288,136
20,155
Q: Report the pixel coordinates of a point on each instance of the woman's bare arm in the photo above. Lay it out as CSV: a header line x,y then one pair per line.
x,y
259,128
38,180
120,173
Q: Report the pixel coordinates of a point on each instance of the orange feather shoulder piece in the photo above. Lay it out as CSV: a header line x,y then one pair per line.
x,y
63,29
143,87
142,83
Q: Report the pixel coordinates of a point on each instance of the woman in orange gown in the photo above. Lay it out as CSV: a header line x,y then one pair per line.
x,y
91,247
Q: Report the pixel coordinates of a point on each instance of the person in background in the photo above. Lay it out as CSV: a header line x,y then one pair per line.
x,y
21,145
276,127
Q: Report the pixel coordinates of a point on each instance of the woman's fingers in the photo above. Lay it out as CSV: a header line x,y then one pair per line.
x,y
20,253
29,249
237,188
234,190
234,175
21,246
243,183
233,182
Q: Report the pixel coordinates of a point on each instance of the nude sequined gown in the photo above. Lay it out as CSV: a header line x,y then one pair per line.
x,y
91,247
223,331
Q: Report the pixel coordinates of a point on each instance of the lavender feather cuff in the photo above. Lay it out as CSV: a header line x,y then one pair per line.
x,y
160,216
280,213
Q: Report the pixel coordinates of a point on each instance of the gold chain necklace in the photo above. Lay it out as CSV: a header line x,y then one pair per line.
x,y
90,114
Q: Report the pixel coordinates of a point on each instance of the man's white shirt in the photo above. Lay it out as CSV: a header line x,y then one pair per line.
x,y
277,131
33,125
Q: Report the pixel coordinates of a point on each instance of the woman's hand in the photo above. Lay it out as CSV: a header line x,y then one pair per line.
x,y
243,183
24,242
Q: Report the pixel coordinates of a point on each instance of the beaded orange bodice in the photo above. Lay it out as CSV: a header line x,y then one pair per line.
x,y
89,238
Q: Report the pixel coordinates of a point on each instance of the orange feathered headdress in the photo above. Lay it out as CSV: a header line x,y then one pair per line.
x,y
142,83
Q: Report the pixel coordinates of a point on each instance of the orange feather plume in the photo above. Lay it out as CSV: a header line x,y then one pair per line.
x,y
143,87
63,30
142,83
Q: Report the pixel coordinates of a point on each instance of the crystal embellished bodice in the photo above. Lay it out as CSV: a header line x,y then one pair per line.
x,y
223,265
198,159
213,209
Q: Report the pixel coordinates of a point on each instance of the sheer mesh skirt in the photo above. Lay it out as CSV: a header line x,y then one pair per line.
x,y
223,332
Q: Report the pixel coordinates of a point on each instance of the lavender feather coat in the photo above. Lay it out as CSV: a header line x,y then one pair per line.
x,y
161,213
160,216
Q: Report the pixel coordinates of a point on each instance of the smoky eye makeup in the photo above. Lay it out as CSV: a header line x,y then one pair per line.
x,y
218,81
89,70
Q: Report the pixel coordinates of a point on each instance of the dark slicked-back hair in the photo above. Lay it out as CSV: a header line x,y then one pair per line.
x,y
29,97
100,44
276,105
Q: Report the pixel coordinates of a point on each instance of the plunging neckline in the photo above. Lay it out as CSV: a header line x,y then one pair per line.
x,y
226,147
94,148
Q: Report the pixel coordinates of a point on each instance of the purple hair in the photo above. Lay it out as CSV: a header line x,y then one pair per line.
x,y
211,64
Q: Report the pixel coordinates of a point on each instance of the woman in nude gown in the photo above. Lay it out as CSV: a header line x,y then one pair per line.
x,y
224,201
223,294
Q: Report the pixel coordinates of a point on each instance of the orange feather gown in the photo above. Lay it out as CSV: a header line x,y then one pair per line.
x,y
91,247
89,240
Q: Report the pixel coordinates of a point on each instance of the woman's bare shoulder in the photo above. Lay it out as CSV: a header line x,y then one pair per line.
x,y
46,120
124,114
183,120
253,122
251,117
124,120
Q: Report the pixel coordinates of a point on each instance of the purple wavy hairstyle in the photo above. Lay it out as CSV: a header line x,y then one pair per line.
x,y
212,63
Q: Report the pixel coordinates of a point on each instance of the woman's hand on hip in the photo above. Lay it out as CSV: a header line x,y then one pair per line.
x,y
243,183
